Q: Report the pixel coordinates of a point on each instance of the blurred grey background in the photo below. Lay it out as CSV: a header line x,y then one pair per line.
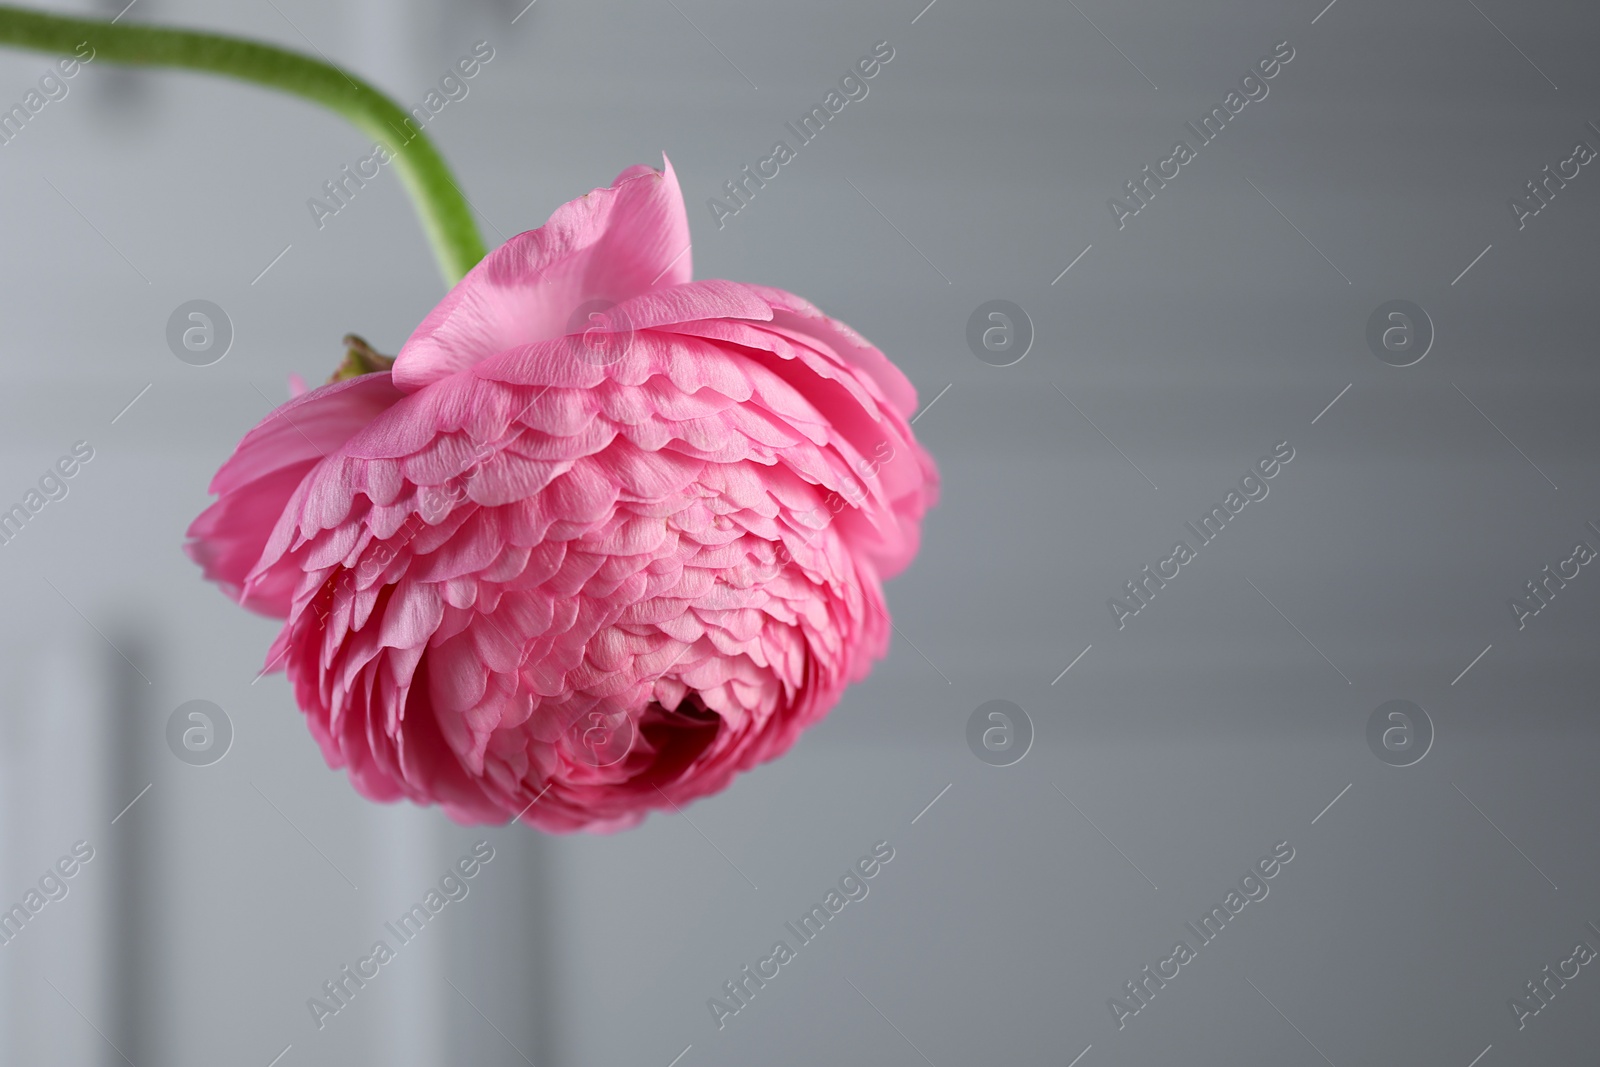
x,y
1231,714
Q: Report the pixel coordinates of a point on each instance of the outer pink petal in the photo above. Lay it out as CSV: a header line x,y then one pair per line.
x,y
255,485
606,246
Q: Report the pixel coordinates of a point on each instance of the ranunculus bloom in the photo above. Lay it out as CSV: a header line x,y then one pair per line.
x,y
601,539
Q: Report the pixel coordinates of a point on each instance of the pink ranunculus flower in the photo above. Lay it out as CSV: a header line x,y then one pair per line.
x,y
602,538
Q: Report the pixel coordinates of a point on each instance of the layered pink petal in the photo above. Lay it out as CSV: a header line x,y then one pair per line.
x,y
599,249
264,472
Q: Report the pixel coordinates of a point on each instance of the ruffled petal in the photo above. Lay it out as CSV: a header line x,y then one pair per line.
x,y
264,472
596,251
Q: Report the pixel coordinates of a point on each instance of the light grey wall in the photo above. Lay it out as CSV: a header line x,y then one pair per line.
x,y
1223,719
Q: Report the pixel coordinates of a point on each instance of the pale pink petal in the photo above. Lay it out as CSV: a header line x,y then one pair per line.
x,y
607,246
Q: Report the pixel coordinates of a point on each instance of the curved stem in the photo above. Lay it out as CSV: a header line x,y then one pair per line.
x,y
445,213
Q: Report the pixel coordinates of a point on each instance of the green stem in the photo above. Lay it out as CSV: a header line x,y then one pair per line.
x,y
445,213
